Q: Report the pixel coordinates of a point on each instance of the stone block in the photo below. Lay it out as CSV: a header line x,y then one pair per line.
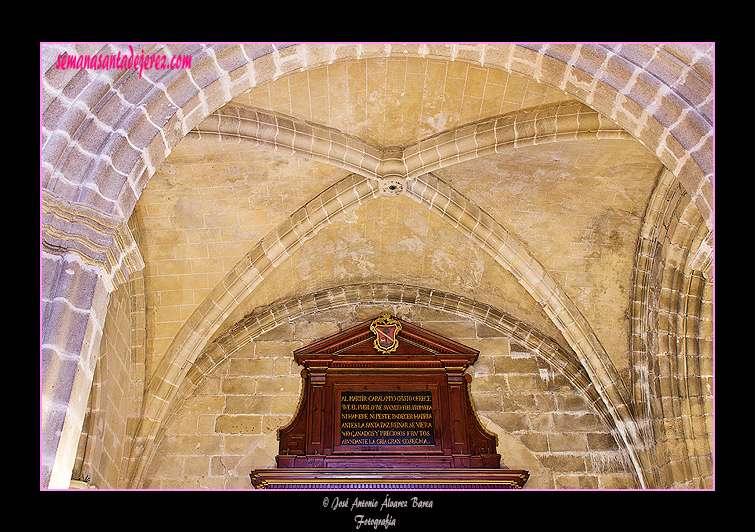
x,y
570,402
279,385
536,442
510,421
281,332
273,423
275,348
314,331
170,467
563,462
485,331
567,442
578,422
541,421
487,384
204,404
616,482
601,442
199,445
521,383
455,330
576,482
519,402
239,386
239,444
251,367
516,364
248,404
284,404
286,366
238,424
196,466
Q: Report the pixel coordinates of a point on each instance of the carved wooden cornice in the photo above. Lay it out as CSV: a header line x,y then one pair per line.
x,y
98,239
373,479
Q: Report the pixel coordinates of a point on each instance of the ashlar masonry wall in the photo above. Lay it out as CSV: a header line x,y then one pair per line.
x,y
528,401
117,392
228,427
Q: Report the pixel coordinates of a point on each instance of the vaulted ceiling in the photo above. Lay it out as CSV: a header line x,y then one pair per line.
x,y
576,204
539,181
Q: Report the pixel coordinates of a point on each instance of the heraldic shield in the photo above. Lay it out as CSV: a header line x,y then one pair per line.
x,y
386,331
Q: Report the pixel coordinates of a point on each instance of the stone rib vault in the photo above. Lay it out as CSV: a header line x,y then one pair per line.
x,y
551,204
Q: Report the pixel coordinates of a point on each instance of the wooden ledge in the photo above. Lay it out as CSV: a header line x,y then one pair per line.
x,y
352,479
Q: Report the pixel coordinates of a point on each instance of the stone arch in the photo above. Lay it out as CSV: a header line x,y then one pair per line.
x,y
644,89
105,133
265,129
333,203
671,340
514,257
268,318
337,201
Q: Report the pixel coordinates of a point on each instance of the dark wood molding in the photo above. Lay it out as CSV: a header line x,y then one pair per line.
x,y
452,448
417,478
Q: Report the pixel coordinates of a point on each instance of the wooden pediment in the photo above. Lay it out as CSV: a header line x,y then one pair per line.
x,y
414,345
386,394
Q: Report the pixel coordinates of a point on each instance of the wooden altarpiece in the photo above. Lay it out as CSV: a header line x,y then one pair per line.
x,y
386,405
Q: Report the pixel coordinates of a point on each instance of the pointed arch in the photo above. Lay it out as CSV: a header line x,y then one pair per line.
x,y
558,122
265,319
670,337
513,255
337,201
332,204
105,133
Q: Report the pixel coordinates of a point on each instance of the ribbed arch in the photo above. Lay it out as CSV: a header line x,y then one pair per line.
x,y
670,343
513,255
110,130
680,401
335,202
105,133
332,204
553,123
268,318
